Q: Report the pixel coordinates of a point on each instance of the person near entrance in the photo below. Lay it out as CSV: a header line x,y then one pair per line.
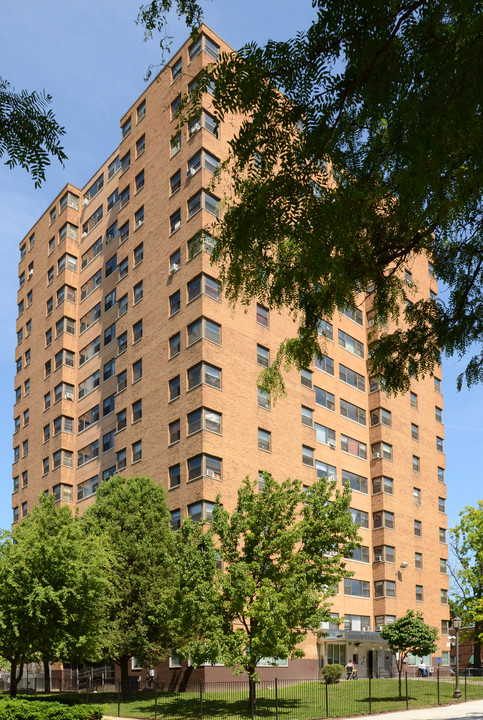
x,y
350,670
423,670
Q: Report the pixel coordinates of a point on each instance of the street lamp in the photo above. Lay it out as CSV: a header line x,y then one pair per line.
x,y
457,623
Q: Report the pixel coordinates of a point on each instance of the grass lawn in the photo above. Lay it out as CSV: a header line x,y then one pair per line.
x,y
301,701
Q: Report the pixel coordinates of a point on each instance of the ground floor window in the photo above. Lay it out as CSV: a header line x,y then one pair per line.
x,y
336,654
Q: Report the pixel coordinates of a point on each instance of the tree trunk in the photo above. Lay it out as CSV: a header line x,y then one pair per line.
x,y
124,666
477,645
14,676
251,691
46,676
399,671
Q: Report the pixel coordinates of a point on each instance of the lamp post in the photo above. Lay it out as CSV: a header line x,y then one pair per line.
x,y
457,622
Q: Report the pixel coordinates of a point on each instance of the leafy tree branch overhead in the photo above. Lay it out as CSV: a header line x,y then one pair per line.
x,y
370,154
29,133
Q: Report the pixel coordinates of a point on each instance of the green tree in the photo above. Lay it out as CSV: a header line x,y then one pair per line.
x,y
53,591
29,133
133,516
282,551
361,148
409,634
467,546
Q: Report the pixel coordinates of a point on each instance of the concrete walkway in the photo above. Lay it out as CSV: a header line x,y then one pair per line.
x,y
462,711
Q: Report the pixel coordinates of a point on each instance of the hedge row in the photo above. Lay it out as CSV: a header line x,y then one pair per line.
x,y
34,710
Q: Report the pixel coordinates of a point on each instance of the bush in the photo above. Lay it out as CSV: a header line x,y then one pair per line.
x,y
331,673
16,709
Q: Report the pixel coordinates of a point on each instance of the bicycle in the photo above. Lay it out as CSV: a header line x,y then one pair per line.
x,y
151,683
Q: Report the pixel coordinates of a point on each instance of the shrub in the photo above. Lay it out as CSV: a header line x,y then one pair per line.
x,y
331,673
16,709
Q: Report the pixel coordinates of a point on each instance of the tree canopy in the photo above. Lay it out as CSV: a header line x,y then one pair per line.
x,y
409,634
29,133
467,546
360,148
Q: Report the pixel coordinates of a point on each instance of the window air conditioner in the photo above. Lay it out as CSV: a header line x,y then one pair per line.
x,y
210,473
332,478
72,205
195,128
174,267
190,172
177,225
378,559
376,456
139,223
366,628
378,628
31,272
85,202
84,234
68,395
332,444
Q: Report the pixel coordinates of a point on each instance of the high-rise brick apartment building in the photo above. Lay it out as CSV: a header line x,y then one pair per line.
x,y
130,360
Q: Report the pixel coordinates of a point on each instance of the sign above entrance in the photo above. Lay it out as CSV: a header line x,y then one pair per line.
x,y
354,636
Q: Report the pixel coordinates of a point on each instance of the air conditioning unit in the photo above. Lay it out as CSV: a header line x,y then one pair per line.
x,y
174,267
68,395
31,272
378,628
139,223
190,172
332,478
376,456
73,205
84,234
367,628
85,202
332,444
378,559
195,128
210,473
177,226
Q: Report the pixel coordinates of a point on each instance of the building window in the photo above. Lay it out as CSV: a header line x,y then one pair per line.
x,y
174,388
138,292
202,241
416,463
204,328
137,331
263,399
122,381
204,465
415,431
350,377
109,369
262,315
174,476
439,444
91,317
416,496
381,450
356,482
264,440
306,378
141,110
351,344
384,553
443,565
203,284
204,419
324,363
138,218
174,429
263,356
87,419
63,457
203,200
325,435
385,588
353,446
175,144
109,334
174,345
137,370
204,373
444,627
419,593
206,44
442,535
418,560
137,451
356,588
201,510
87,453
88,487
418,528
353,412
325,328
89,351
176,69
383,518
174,303
360,554
91,285
437,384
126,128
137,411
122,343
308,455
307,416
360,517
380,416
121,459
441,504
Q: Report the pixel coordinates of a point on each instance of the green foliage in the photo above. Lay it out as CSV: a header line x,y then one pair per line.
x,y
132,515
332,673
467,546
37,710
282,551
409,634
360,149
29,133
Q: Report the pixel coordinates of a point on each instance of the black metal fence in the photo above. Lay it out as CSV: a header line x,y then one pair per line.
x,y
280,699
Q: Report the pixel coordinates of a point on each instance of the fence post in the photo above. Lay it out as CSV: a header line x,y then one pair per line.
x,y
326,699
370,696
156,703
276,699
466,678
201,699
87,692
407,696
437,678
119,700
35,686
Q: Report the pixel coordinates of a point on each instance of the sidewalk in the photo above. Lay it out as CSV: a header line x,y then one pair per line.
x,y
462,711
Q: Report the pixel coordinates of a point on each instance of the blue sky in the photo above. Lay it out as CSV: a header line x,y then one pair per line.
x,y
92,60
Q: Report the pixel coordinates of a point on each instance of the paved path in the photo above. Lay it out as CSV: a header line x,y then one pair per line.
x,y
462,711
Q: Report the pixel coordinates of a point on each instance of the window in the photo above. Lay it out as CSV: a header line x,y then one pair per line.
x,y
306,378
360,517
122,343
176,69
418,560
174,476
353,446
353,314
27,357
325,328
324,435
443,565
140,146
63,457
350,377
91,253
442,535
137,370
357,588
324,398
126,128
383,519
381,450
380,416
90,317
176,519
308,455
175,221
360,554
174,345
441,504
141,110
138,255
123,268
174,430
204,419
418,528
439,444
416,463
203,200
175,144
201,510
356,482
24,509
91,223
408,276
444,628
16,484
416,496
25,448
137,331
110,300
17,424
307,416
438,412
324,363
88,418
113,199
204,373
419,593
174,303
264,440
202,241
46,401
89,351
16,453
138,218
263,399
137,411
204,328
385,588
262,315
137,451
87,453
204,465
91,285
89,384
263,356
108,405
124,232
108,441
122,381
353,412
15,514
174,388
414,431
121,459
203,284
111,266
20,336
437,384
87,488
351,344
96,186
384,553
137,293
139,184
175,106
441,474
20,308
65,324
64,357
